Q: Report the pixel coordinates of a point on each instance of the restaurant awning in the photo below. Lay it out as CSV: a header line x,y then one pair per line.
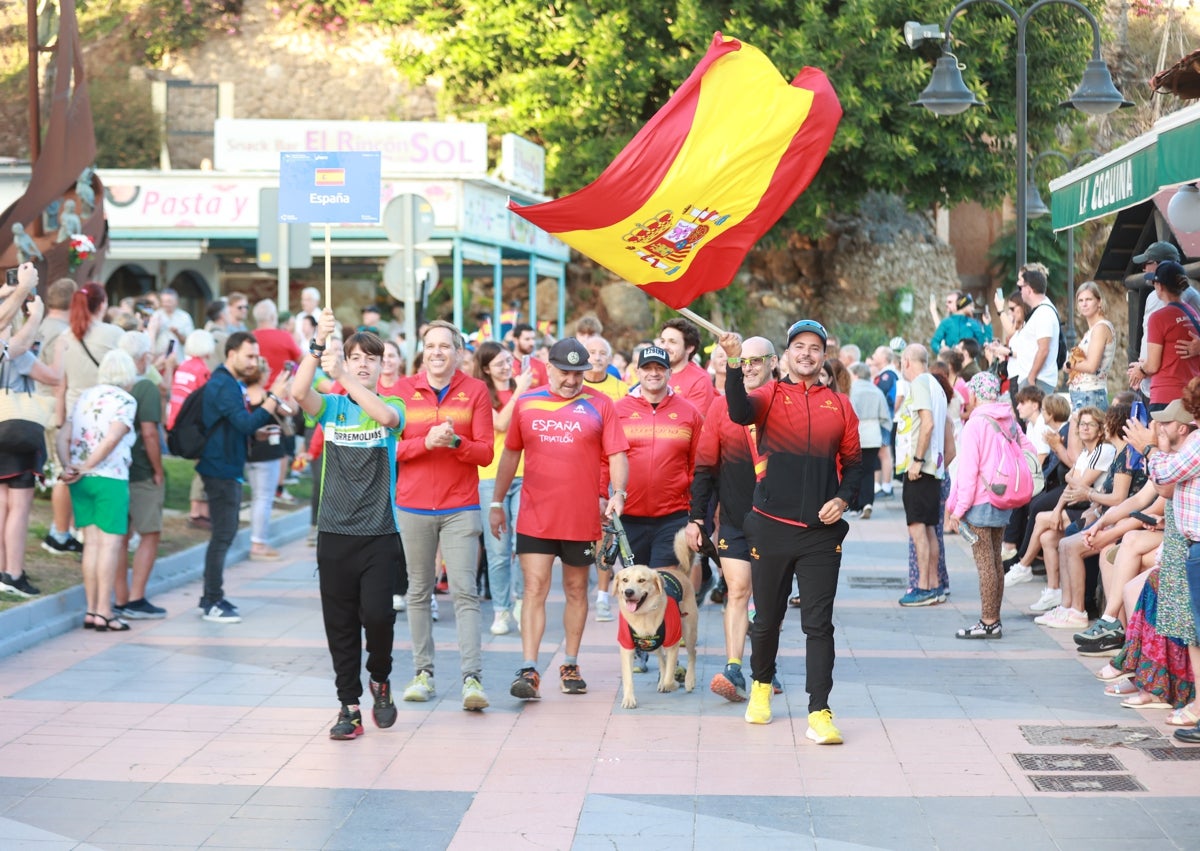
x,y
1166,156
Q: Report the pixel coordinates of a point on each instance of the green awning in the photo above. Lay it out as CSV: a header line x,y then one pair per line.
x,y
1165,156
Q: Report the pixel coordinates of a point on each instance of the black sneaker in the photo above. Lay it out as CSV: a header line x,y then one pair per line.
x,y
384,710
141,609
222,611
349,724
572,683
1108,645
56,547
525,686
19,585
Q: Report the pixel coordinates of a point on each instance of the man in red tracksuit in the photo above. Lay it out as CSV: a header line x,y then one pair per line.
x,y
808,438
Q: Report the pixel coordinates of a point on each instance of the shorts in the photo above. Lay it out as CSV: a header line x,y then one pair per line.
x,y
101,502
732,543
22,481
922,500
572,553
146,506
652,539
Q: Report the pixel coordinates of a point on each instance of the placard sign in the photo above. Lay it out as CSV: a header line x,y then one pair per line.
x,y
330,187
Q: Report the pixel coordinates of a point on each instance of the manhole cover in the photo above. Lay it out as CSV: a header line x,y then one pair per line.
x,y
1067,762
878,582
1174,754
1109,736
1086,783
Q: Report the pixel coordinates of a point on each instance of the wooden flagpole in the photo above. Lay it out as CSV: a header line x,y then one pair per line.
x,y
700,320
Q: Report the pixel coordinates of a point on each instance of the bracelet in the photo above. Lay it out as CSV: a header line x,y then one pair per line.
x,y
314,346
621,494
921,460
496,505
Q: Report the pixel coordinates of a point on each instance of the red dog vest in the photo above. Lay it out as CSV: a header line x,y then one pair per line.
x,y
671,630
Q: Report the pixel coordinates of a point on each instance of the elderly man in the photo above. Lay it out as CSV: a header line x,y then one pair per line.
x,y
169,322
562,426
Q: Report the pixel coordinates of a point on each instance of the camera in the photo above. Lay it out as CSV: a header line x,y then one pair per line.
x,y
10,276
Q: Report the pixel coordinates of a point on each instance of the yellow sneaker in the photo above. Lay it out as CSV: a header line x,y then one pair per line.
x,y
821,728
758,710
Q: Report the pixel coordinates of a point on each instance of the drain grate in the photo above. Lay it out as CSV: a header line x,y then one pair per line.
x,y
1067,762
1109,736
877,582
1174,754
1086,783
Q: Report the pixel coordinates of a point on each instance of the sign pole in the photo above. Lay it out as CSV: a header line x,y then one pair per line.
x,y
409,265
284,267
700,320
328,269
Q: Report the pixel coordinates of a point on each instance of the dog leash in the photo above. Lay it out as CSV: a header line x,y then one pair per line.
x,y
618,546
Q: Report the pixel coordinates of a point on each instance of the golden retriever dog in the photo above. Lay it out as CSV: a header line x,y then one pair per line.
x,y
658,610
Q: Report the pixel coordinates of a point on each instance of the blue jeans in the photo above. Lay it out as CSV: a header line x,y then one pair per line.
x,y
1085,398
1193,577
507,584
263,477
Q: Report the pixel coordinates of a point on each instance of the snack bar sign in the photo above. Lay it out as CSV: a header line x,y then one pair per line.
x,y
329,187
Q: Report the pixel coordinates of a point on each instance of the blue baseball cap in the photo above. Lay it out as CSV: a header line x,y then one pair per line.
x,y
810,326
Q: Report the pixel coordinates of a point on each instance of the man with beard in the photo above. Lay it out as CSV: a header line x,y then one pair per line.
x,y
524,342
681,339
809,468
228,422
565,432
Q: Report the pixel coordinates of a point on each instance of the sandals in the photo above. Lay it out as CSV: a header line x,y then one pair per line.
x,y
113,624
1120,688
1145,700
1183,717
1110,674
981,630
87,624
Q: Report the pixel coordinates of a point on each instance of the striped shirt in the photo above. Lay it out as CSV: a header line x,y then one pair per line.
x,y
1181,468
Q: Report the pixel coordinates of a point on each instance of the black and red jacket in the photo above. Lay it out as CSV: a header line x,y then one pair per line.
x,y
724,463
808,439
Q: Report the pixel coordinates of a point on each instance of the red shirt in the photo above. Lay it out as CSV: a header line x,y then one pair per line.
x,y
724,463
442,480
566,441
190,376
694,384
277,346
662,453
1167,326
540,375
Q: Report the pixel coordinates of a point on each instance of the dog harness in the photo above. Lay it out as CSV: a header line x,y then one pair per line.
x,y
669,632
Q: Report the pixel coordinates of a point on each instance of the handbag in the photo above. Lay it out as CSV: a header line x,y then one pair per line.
x,y
22,404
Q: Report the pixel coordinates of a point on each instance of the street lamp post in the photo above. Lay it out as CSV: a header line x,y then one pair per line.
x,y
1035,208
947,94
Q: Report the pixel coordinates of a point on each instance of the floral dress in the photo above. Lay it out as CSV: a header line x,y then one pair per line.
x,y
100,408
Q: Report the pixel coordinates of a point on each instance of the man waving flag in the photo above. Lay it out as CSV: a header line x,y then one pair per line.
x,y
710,173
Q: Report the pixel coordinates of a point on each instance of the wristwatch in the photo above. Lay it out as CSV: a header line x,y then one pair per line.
x,y
455,441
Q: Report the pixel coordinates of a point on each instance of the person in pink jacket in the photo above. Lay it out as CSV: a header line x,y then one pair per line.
x,y
979,448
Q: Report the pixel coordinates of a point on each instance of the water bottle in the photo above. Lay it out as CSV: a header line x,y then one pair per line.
x,y
967,533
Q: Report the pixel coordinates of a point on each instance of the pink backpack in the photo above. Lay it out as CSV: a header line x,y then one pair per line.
x,y
1018,477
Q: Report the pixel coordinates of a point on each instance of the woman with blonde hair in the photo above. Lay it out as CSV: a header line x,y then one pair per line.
x,y
1089,361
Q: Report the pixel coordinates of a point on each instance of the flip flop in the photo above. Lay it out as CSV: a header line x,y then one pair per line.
x,y
1142,700
1120,688
1183,717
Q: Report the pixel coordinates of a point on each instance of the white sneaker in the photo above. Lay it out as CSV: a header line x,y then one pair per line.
x,y
603,611
865,514
433,614
1060,617
1051,597
502,624
421,688
398,602
1017,574
473,697
516,614
135,540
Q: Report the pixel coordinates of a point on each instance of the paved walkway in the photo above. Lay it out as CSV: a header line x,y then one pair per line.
x,y
186,734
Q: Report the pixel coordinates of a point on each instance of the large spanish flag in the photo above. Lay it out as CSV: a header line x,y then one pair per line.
x,y
709,174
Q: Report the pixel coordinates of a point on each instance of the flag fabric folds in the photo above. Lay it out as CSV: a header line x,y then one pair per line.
x,y
678,209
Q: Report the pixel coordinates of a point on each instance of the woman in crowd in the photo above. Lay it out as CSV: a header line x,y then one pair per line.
x,y
1089,362
1172,324
494,366
1110,490
262,467
22,447
189,377
1089,465
835,375
718,363
95,448
980,446
393,369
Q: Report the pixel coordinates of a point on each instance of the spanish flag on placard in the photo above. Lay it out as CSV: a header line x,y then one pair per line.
x,y
710,173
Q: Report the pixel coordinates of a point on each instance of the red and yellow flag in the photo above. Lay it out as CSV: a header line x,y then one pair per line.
x,y
709,174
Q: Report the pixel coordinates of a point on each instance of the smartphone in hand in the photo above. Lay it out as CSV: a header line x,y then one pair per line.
x,y
1148,519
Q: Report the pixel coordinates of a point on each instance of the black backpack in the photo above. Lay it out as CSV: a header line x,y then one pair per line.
x,y
188,437
1062,337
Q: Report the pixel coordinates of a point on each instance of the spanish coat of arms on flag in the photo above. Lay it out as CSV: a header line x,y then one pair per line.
x,y
678,209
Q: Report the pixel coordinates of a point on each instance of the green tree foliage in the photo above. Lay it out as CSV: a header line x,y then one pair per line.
x,y
582,78
127,130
